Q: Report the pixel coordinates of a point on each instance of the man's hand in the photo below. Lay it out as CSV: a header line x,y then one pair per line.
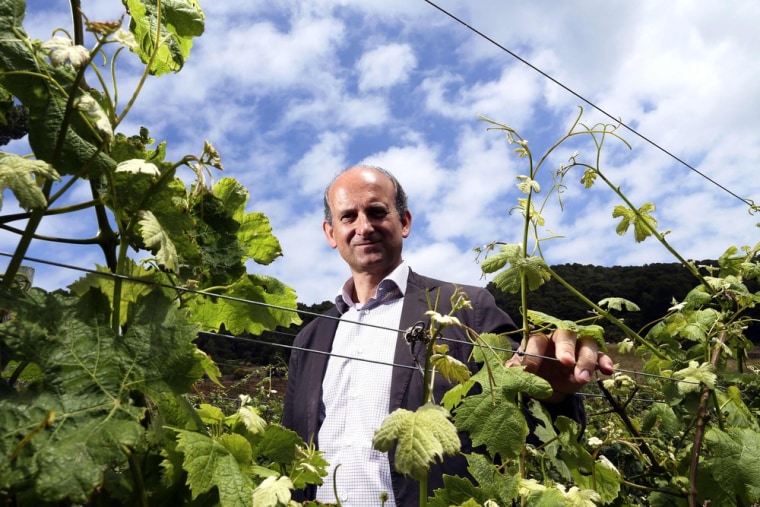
x,y
576,360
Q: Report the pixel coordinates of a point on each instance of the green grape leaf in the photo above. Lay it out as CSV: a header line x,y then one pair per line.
x,y
43,89
210,415
181,20
273,492
278,444
588,474
544,497
131,289
697,297
626,346
582,497
309,467
251,311
457,491
698,324
239,447
158,240
511,380
694,375
544,319
252,421
451,368
509,280
489,344
589,178
644,224
16,174
255,231
65,433
495,262
209,464
619,304
735,411
594,331
421,438
456,394
498,423
500,480
734,463
661,418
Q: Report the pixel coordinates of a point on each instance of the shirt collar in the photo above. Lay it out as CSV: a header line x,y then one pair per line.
x,y
390,288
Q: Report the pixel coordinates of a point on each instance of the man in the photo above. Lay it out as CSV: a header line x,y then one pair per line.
x,y
339,399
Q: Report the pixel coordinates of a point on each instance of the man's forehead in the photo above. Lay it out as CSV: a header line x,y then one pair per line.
x,y
366,194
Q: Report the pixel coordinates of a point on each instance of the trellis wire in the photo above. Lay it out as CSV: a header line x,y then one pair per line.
x,y
298,311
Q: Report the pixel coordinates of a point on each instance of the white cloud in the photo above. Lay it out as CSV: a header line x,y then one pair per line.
x,y
316,168
385,66
291,92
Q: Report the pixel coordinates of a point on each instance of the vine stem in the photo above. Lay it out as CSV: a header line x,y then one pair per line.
x,y
699,431
628,331
620,411
693,270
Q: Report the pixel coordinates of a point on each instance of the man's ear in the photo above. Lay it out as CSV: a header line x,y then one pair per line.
x,y
406,224
329,234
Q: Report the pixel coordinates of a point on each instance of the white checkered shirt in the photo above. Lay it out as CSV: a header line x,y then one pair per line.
x,y
356,394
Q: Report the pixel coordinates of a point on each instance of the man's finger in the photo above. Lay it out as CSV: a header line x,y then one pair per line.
x,y
588,353
605,363
564,346
529,356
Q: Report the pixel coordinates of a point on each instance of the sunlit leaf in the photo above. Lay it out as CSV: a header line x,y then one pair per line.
x,y
694,376
451,368
255,307
255,232
158,240
44,90
421,438
644,224
619,304
527,185
16,174
509,279
273,492
181,20
589,178
594,331
209,464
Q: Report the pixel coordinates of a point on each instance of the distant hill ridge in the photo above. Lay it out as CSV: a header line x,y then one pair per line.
x,y
653,287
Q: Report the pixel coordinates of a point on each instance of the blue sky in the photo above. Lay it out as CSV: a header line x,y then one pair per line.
x,y
291,92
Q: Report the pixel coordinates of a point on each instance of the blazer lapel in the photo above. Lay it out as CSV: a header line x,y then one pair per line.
x,y
320,347
412,312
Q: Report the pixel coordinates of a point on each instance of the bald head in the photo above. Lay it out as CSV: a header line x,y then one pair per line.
x,y
400,198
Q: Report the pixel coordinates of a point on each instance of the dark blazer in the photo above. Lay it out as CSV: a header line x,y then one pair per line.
x,y
303,398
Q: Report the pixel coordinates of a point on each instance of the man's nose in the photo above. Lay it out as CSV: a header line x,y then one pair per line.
x,y
364,225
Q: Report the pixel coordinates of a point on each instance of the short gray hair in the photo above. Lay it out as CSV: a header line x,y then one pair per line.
x,y
400,196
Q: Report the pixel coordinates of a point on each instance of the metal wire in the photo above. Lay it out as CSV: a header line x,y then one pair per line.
x,y
300,312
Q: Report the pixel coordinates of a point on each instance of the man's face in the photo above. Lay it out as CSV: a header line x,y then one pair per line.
x,y
366,228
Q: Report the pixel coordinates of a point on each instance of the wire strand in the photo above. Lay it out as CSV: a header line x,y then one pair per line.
x,y
517,57
295,310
